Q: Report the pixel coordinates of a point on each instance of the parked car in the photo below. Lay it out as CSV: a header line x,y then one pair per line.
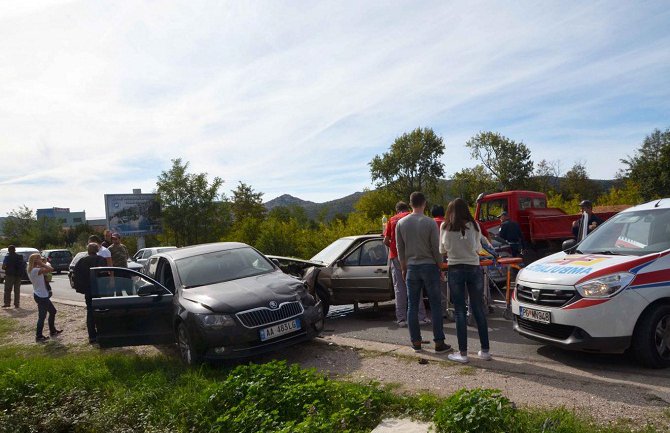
x,y
59,259
143,254
25,252
217,301
131,265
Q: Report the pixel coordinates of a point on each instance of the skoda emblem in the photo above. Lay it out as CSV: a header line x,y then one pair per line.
x,y
274,305
536,294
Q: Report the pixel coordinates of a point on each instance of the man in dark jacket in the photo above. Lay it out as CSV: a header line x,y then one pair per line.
x,y
82,284
594,220
13,265
511,232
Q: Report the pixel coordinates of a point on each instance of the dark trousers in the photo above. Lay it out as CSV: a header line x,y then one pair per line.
x,y
12,282
462,279
44,306
90,324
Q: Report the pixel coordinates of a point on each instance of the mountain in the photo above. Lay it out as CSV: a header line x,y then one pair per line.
x,y
330,209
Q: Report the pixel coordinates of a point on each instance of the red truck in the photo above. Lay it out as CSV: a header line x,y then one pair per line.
x,y
544,228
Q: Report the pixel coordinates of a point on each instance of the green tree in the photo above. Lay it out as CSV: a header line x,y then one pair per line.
x,y
577,184
412,163
649,166
470,182
188,203
507,160
546,176
377,202
19,226
246,203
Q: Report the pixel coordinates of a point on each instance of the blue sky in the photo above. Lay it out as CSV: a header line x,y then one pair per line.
x,y
297,97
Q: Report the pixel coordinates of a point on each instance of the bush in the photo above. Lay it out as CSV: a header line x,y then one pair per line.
x,y
476,411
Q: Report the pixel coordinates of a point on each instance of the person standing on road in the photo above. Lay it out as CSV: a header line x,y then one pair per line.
x,y
82,284
460,241
119,252
102,250
13,266
417,238
399,286
594,220
511,232
37,270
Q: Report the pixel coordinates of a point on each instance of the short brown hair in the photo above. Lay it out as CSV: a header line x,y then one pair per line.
x,y
401,206
417,199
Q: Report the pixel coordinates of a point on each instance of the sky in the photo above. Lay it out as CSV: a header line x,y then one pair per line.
x,y
297,97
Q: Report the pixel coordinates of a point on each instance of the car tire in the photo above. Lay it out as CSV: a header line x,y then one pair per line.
x,y
187,352
58,272
651,339
69,277
325,300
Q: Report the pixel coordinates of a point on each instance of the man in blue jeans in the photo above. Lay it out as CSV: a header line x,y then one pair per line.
x,y
417,239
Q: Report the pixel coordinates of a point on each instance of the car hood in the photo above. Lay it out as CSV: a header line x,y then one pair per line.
x,y
571,269
245,293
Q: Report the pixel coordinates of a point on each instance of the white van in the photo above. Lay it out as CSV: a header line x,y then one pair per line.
x,y
608,293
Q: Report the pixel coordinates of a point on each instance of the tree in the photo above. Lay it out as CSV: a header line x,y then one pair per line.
x,y
577,185
547,174
188,203
19,225
507,160
412,163
246,203
649,166
470,182
377,202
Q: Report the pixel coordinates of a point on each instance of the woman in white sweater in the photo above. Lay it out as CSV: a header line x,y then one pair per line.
x,y
460,241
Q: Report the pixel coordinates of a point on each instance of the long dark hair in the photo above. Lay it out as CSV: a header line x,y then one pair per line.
x,y
458,215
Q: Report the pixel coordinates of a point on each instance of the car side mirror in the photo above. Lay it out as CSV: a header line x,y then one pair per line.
x,y
568,244
149,289
340,263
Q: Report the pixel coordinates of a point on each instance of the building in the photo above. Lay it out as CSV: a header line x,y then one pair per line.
x,y
63,214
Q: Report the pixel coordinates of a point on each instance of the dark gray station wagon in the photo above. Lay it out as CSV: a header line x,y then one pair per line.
x,y
216,301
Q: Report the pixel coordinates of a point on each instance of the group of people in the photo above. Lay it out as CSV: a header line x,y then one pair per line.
x,y
418,246
100,253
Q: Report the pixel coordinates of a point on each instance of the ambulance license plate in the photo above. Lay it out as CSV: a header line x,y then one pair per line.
x,y
280,329
535,315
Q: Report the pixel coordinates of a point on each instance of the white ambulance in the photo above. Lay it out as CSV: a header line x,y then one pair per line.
x,y
608,293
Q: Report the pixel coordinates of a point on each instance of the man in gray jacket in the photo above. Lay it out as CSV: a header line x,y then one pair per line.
x,y
418,243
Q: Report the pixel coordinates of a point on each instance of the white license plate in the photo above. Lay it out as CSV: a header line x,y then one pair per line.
x,y
535,315
280,329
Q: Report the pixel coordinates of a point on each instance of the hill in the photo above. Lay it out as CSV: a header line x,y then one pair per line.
x,y
327,210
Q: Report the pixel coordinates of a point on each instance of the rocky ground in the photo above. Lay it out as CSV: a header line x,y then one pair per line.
x,y
608,397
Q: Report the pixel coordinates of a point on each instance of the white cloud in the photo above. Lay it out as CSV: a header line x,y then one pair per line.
x,y
97,97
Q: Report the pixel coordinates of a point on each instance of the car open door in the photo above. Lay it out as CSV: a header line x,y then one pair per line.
x,y
363,275
130,308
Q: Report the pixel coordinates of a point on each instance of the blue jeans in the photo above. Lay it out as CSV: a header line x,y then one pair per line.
x,y
44,306
470,278
424,277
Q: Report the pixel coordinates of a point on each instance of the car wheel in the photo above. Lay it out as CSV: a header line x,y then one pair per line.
x,y
71,280
189,355
58,272
325,300
651,340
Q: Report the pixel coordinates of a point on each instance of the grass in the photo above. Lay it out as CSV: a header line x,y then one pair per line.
x,y
467,371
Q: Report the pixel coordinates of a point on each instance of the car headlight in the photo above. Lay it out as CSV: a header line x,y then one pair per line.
x,y
215,321
606,286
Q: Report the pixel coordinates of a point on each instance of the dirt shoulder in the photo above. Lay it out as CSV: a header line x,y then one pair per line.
x,y
608,397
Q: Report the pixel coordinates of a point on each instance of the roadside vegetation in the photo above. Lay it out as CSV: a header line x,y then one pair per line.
x,y
46,390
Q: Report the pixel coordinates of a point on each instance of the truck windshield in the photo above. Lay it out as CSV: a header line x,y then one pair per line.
x,y
631,233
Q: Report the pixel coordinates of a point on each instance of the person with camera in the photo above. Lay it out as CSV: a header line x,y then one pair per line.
x,y
37,271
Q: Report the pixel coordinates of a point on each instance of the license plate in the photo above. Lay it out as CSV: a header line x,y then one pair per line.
x,y
280,329
535,315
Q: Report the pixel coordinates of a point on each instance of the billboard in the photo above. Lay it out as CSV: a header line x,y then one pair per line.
x,y
133,214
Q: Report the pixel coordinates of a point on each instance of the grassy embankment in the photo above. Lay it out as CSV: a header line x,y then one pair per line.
x,y
92,392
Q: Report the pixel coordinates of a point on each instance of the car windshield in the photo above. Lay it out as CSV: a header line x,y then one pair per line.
x,y
631,233
221,266
329,254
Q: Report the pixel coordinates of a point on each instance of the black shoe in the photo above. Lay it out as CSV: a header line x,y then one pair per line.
x,y
417,347
41,339
6,306
441,347
92,340
56,332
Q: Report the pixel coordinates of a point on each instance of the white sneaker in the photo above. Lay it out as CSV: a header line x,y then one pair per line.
x,y
486,356
402,324
457,357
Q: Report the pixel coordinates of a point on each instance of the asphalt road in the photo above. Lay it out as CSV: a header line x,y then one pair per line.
x,y
378,324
